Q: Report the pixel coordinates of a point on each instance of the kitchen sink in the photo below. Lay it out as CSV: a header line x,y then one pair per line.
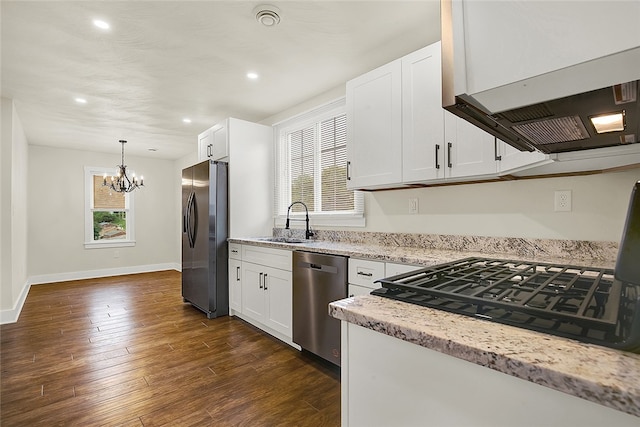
x,y
283,240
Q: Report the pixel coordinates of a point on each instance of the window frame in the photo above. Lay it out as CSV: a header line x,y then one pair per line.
x,y
282,179
89,242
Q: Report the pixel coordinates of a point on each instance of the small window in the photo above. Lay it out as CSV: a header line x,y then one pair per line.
x,y
109,214
312,168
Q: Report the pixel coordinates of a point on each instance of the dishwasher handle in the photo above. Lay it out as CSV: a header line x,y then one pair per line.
x,y
318,268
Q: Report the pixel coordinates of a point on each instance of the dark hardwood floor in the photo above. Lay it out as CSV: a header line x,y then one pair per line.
x,y
127,351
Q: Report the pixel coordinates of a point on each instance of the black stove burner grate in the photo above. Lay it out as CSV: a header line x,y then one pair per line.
x,y
584,303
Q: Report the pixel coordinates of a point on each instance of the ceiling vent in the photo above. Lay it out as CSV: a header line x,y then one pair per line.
x,y
267,15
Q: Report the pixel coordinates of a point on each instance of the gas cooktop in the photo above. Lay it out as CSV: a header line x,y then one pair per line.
x,y
584,303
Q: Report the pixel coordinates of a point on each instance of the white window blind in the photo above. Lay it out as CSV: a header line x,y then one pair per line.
x,y
311,167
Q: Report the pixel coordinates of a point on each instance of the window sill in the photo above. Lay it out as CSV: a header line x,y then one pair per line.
x,y
113,244
329,220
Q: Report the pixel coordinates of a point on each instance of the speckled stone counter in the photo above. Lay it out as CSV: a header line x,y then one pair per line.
x,y
429,250
598,374
594,373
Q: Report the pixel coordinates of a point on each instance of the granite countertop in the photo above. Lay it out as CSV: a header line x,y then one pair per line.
x,y
396,252
605,376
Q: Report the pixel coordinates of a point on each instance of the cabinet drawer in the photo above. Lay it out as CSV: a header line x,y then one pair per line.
x,y
276,258
355,290
364,272
235,251
393,269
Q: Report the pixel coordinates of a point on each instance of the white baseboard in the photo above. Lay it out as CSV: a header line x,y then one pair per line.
x,y
106,272
11,315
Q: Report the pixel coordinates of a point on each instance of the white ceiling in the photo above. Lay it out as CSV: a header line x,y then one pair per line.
x,y
162,61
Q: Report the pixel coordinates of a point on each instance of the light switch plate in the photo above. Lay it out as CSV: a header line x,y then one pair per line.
x,y
413,206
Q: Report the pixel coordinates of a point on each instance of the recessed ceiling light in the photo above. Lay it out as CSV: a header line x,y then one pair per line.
x,y
251,75
101,24
186,120
81,100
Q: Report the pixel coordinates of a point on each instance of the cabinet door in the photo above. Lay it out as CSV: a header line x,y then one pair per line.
x,y
235,285
220,142
469,151
511,158
205,145
355,290
279,294
374,128
253,299
422,115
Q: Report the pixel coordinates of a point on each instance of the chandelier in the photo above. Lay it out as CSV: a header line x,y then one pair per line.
x,y
121,183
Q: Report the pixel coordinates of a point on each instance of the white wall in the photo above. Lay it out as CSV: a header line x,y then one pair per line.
x,y
509,209
13,214
56,220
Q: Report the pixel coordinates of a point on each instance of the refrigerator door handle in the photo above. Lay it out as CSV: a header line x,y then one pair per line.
x,y
194,231
189,209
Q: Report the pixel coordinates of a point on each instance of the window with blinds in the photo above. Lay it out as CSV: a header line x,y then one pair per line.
x,y
312,165
109,214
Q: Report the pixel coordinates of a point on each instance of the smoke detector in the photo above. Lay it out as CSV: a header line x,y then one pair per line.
x,y
267,15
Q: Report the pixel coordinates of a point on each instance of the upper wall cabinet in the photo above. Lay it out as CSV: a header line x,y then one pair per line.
x,y
422,115
248,147
374,127
398,133
213,143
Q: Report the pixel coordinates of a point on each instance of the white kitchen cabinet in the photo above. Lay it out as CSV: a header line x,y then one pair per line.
x,y
393,269
235,286
374,127
267,290
267,296
220,148
422,115
364,272
468,151
510,159
409,385
205,145
355,290
213,143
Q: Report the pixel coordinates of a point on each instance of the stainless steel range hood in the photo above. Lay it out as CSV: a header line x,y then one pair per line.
x,y
538,99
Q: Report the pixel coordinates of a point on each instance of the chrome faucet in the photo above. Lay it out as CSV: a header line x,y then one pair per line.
x,y
307,233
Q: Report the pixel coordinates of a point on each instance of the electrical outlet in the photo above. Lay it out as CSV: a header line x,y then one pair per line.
x,y
562,201
413,206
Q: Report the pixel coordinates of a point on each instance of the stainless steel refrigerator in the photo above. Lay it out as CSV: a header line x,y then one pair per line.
x,y
204,238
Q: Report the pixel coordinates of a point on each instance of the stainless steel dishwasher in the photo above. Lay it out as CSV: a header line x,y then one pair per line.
x,y
318,279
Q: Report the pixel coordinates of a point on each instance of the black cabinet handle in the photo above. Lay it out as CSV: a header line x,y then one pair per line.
x,y
264,279
437,151
495,150
348,170
210,150
365,274
260,280
449,154
238,274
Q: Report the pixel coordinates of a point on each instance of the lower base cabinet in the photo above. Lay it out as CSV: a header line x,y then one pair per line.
x,y
266,296
261,288
390,382
235,285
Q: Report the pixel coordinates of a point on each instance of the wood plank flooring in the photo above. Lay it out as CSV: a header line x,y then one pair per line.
x,y
126,351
